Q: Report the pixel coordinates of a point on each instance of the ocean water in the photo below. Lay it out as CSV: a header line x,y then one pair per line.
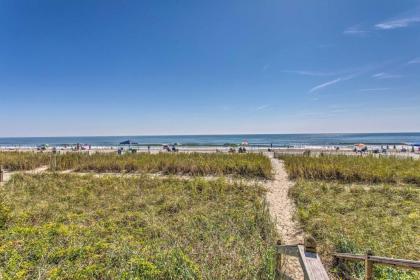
x,y
263,140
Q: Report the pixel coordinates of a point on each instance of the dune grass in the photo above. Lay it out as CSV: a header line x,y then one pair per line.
x,y
18,161
354,169
354,204
354,218
196,164
83,227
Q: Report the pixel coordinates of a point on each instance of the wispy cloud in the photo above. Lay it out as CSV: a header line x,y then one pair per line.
x,y
355,30
404,20
398,23
374,89
414,61
324,85
266,67
383,75
310,73
330,83
262,107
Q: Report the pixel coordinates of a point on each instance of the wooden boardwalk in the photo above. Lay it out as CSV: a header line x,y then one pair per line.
x,y
311,264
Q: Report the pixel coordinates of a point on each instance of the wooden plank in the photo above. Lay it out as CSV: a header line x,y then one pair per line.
x,y
349,257
288,250
312,267
381,260
396,262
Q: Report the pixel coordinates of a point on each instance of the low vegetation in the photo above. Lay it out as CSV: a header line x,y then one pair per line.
x,y
18,161
62,226
196,164
345,215
350,169
354,218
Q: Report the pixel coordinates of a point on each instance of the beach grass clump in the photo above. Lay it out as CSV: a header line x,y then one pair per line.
x,y
195,164
349,169
355,218
18,161
67,226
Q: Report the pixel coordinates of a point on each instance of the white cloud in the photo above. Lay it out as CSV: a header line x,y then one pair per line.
x,y
262,107
398,23
310,73
382,76
332,82
324,85
414,61
374,89
266,67
355,30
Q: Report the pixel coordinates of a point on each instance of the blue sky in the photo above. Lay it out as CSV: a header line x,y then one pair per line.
x,y
86,67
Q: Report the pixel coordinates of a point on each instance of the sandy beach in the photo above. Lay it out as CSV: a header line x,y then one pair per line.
x,y
314,151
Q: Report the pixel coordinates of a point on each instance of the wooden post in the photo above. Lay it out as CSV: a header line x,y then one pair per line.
x,y
1,173
278,262
310,244
368,266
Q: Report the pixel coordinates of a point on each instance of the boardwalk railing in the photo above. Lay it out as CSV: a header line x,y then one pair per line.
x,y
370,260
310,262
313,268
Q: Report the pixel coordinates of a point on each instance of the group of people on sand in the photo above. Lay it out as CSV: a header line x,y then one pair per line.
x,y
241,150
171,148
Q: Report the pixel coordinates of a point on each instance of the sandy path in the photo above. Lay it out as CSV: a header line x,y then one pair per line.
x,y
228,179
44,169
8,175
282,209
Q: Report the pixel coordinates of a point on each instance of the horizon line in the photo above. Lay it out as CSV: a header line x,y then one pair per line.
x,y
215,134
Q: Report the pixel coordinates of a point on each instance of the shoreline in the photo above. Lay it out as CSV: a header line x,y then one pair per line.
x,y
315,150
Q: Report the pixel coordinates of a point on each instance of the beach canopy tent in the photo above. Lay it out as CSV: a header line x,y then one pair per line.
x,y
128,142
416,145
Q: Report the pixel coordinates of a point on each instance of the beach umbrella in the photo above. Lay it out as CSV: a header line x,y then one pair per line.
x,y
245,143
360,145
